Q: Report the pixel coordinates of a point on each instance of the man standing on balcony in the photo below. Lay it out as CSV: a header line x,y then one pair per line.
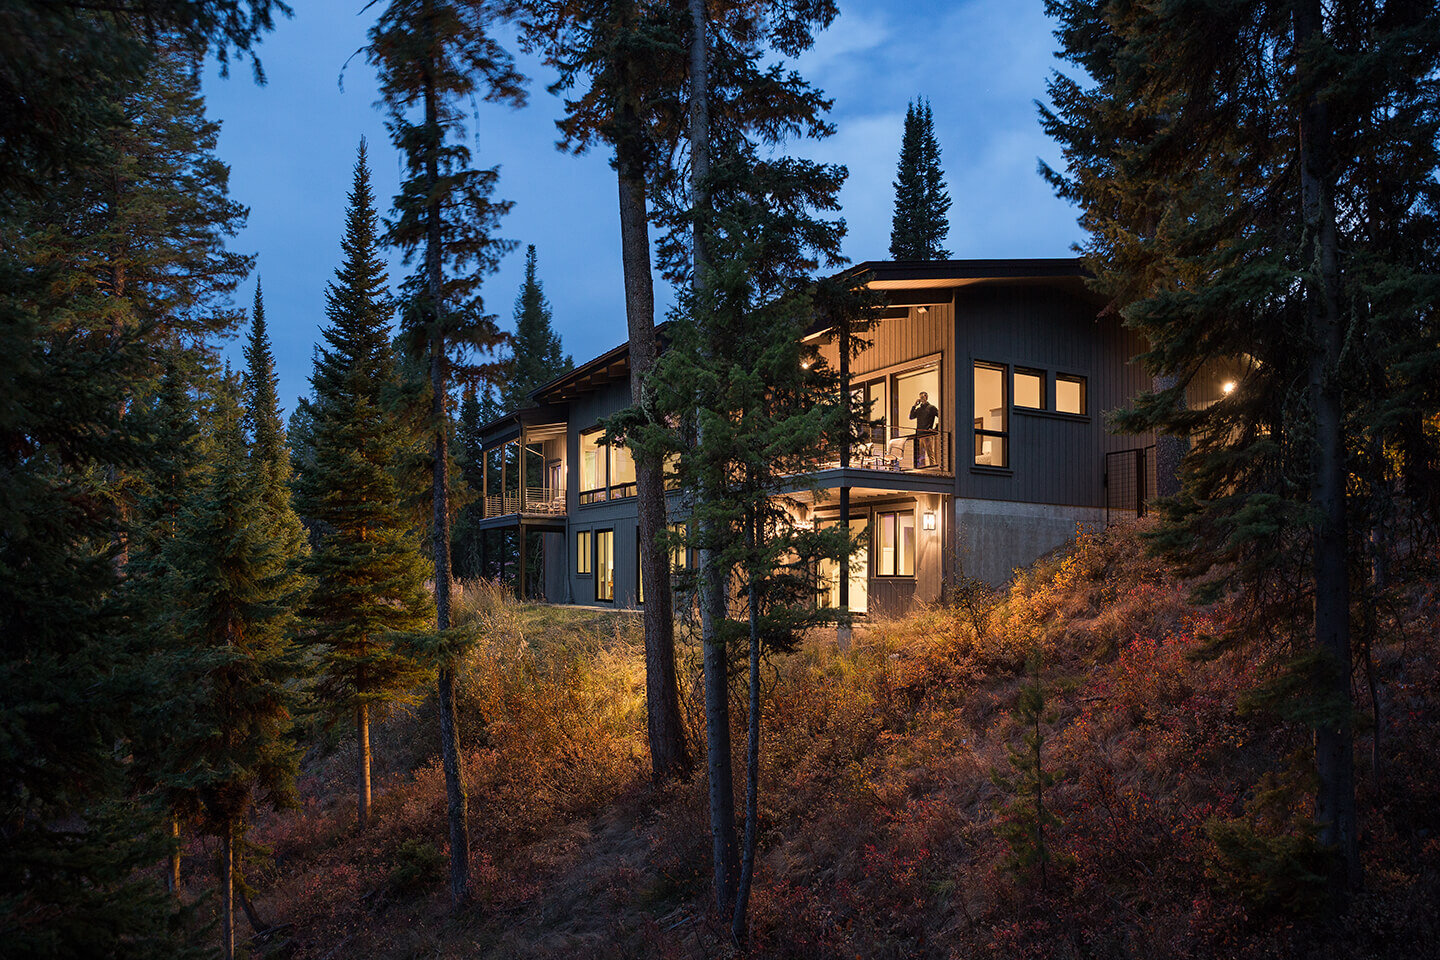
x,y
924,414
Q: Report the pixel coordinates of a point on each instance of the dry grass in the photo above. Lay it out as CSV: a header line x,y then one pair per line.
x,y
878,811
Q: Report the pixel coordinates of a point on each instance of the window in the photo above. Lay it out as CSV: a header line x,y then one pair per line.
x,y
895,546
1069,394
681,557
592,466
991,415
605,565
1030,388
622,472
582,553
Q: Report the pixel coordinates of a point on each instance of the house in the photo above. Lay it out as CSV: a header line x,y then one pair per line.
x,y
1019,363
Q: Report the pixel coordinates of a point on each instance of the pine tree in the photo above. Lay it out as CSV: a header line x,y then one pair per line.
x,y
95,300
922,204
1258,193
269,453
537,358
760,418
235,589
367,569
626,61
434,55
1024,818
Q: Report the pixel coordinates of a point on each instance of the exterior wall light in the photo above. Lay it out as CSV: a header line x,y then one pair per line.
x,y
928,520
1228,387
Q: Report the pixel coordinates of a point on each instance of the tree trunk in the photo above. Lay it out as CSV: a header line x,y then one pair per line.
x,y
362,763
716,580
669,756
752,768
172,874
1334,737
227,889
439,386
1169,451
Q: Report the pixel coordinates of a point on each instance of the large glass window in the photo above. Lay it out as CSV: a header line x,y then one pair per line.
x,y
605,565
992,421
592,466
1069,393
1030,388
582,553
622,472
895,548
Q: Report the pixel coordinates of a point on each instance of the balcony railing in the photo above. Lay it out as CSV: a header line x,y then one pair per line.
x,y
903,450
531,502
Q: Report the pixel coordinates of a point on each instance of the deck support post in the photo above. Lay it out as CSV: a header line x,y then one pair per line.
x,y
520,553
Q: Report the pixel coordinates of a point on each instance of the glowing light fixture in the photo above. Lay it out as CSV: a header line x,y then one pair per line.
x,y
922,310
928,520
1228,387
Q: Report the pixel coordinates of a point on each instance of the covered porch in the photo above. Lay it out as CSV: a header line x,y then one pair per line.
x,y
523,465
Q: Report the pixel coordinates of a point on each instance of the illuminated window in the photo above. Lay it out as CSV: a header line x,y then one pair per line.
x,y
582,553
622,472
895,545
592,466
1069,394
1030,388
992,419
605,565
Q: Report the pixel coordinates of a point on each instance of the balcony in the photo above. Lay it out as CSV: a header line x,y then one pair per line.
x,y
527,502
902,450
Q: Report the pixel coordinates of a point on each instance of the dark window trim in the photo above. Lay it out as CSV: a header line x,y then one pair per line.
x,y
589,553
595,564
874,566
1044,376
1084,382
1008,388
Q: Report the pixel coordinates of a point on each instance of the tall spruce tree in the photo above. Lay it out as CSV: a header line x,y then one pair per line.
x,y
625,59
536,359
1257,185
922,205
269,453
367,569
756,228
433,57
236,590
108,126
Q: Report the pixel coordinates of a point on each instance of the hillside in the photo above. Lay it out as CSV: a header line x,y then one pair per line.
x,y
1181,826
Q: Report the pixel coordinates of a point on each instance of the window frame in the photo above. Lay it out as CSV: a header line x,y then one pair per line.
x,y
1044,378
602,451
584,553
980,432
601,582
877,543
1081,381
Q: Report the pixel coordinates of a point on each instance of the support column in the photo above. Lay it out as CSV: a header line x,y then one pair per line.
x,y
520,546
843,632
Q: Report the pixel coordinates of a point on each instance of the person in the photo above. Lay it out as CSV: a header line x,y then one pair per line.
x,y
925,415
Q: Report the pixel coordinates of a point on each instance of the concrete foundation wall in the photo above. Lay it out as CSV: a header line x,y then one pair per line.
x,y
993,537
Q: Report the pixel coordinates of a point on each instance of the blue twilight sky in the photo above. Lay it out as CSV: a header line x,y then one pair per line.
x,y
291,145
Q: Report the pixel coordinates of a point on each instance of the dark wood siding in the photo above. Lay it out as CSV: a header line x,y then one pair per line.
x,y
1052,458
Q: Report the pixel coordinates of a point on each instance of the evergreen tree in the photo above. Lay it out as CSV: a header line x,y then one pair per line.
x,y
269,453
760,417
113,219
1259,192
235,590
367,569
922,205
537,359
626,61
434,56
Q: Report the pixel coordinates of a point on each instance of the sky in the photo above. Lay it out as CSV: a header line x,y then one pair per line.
x,y
291,147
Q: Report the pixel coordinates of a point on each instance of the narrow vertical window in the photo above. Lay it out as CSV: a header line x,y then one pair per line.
x,y
592,466
895,550
992,417
605,565
582,553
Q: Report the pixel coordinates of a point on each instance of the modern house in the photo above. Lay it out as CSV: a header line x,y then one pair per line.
x,y
1020,365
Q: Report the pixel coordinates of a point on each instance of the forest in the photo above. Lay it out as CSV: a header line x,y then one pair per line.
x,y
257,698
